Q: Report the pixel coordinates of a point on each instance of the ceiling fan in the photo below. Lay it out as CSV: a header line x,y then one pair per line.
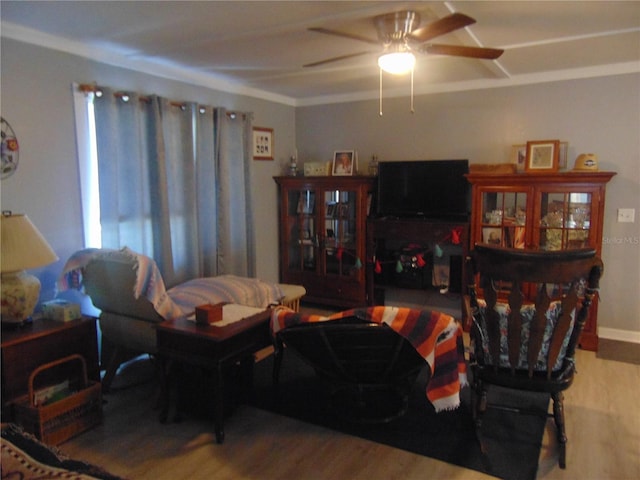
x,y
400,35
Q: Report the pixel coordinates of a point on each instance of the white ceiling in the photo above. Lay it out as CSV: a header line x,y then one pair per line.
x,y
259,48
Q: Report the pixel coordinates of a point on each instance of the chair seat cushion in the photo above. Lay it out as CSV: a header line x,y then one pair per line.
x,y
527,313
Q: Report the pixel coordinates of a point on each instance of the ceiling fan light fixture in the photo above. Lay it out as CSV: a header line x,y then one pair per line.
x,y
397,63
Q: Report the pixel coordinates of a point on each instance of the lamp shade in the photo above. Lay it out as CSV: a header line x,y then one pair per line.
x,y
23,246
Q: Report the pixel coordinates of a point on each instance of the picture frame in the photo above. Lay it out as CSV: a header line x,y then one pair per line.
x,y
519,157
330,210
492,235
262,143
542,156
343,210
563,154
344,163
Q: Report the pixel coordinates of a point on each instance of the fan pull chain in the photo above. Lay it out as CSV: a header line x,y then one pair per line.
x,y
411,102
380,92
412,110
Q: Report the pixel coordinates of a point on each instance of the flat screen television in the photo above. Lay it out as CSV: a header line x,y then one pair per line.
x,y
430,189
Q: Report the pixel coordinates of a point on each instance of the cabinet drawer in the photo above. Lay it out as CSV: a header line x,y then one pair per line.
x,y
348,291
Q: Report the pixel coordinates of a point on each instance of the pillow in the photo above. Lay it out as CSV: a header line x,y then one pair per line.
x,y
250,292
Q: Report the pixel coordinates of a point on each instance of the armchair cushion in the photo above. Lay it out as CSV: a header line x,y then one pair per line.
x,y
527,313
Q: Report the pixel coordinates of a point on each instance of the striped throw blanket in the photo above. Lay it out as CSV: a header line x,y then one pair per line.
x,y
437,337
180,300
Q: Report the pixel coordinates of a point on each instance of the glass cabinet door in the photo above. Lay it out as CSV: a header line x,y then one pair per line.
x,y
504,218
340,242
565,220
302,238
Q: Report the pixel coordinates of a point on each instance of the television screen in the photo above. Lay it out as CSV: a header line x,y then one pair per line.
x,y
434,189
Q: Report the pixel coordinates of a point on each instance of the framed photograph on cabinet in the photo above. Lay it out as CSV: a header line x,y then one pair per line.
x,y
542,156
262,143
492,235
330,211
562,155
344,163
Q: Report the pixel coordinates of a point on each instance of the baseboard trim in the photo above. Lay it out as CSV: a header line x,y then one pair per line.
x,y
617,334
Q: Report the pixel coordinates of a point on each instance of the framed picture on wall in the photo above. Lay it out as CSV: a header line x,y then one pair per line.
x,y
262,143
343,163
542,156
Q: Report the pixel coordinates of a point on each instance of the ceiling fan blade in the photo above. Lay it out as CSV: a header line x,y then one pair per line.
x,y
440,27
462,51
335,59
337,33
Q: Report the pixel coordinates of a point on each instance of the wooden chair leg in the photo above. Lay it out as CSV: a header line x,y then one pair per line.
x,y
558,416
278,352
481,408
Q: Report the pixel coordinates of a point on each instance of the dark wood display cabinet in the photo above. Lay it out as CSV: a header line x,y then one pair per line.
x,y
555,211
322,236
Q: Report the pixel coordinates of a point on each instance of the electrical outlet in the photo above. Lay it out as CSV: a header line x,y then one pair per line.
x,y
627,215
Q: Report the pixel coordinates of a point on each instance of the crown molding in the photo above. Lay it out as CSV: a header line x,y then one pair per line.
x,y
177,72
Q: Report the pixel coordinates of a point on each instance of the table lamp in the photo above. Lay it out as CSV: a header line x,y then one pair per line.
x,y
23,247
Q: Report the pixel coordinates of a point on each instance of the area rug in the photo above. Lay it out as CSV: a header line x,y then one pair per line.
x,y
513,440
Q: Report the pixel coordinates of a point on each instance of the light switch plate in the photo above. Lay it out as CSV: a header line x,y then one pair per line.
x,y
627,215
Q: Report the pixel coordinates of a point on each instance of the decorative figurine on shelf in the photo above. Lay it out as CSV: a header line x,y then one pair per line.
x,y
373,166
293,166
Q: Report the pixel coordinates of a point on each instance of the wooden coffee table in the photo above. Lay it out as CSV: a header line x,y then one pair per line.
x,y
213,348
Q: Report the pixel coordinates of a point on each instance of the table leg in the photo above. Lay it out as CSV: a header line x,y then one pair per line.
x,y
165,388
218,402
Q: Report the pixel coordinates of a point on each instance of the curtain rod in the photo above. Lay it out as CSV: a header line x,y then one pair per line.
x,y
92,88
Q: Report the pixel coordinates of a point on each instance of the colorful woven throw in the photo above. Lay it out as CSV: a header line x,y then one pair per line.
x,y
436,336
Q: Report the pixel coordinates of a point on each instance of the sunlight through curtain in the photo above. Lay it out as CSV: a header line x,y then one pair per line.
x,y
174,184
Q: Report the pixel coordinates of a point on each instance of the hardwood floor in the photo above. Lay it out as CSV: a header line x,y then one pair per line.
x,y
603,426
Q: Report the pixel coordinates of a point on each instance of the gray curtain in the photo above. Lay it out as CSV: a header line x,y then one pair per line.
x,y
174,184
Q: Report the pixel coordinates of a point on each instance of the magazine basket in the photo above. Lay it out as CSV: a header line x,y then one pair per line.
x,y
60,420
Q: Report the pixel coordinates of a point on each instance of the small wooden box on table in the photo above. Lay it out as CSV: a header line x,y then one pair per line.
x,y
213,348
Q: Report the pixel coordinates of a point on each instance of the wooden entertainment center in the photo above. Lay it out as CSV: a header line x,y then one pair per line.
x,y
413,254
327,234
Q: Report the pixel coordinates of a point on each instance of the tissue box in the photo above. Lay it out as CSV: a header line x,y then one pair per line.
x,y
61,310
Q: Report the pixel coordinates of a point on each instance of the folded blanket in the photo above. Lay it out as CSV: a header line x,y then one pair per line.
x,y
437,337
149,283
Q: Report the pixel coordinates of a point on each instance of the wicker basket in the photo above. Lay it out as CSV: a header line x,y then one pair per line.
x,y
65,418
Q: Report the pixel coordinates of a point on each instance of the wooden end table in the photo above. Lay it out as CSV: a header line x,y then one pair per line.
x,y
25,349
212,348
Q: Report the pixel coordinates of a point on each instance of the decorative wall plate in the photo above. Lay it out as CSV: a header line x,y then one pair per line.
x,y
10,150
